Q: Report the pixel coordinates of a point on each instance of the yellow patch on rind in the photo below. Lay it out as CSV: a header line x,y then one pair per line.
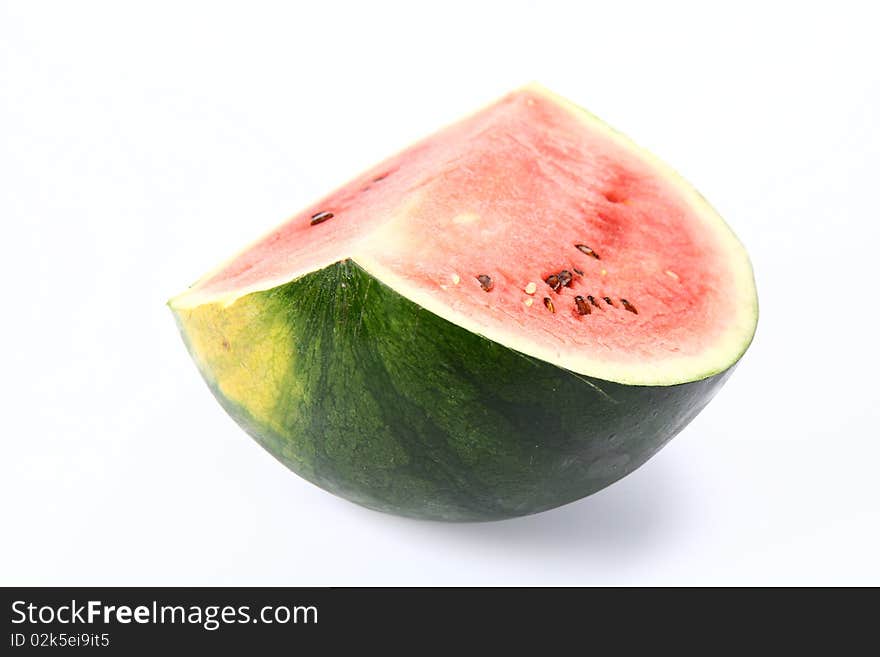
x,y
244,350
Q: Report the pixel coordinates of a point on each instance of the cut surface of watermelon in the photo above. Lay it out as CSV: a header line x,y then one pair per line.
x,y
533,224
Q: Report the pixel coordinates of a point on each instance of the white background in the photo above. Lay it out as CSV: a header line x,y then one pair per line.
x,y
140,146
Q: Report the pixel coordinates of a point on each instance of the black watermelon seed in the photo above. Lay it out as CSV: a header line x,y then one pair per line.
x,y
578,271
548,304
321,217
565,278
485,282
582,307
583,248
553,281
607,300
629,306
592,300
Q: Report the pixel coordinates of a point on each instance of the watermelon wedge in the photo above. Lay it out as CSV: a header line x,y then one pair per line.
x,y
503,318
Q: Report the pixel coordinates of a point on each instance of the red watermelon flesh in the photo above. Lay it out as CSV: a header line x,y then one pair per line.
x,y
536,225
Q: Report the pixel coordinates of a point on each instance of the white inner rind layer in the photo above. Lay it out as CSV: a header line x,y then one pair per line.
x,y
673,369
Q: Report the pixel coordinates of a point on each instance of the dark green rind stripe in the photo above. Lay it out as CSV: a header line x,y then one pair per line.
x,y
393,407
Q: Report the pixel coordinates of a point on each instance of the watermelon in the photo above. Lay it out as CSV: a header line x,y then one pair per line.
x,y
503,318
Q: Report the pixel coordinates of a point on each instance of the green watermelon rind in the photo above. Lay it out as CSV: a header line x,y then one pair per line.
x,y
391,406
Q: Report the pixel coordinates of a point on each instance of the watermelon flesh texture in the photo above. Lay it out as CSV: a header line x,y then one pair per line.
x,y
562,280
